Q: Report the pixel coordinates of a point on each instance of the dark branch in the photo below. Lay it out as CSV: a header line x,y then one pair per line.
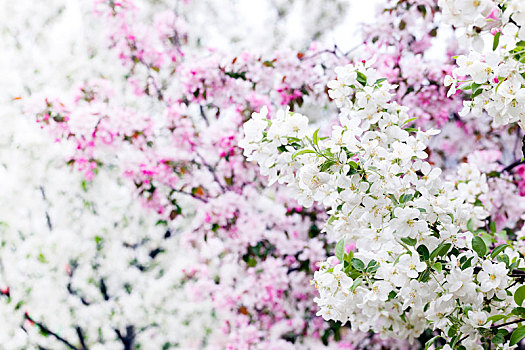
x,y
465,337
48,218
127,340
203,115
507,323
46,330
513,165
81,338
104,289
212,172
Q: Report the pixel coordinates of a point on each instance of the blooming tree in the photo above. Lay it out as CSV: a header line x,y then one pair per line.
x,y
166,223
171,132
420,260
426,256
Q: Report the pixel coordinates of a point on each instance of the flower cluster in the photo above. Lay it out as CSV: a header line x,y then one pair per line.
x,y
493,68
400,40
422,258
171,133
80,268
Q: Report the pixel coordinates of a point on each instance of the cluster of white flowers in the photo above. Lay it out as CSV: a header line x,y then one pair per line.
x,y
494,32
79,264
421,259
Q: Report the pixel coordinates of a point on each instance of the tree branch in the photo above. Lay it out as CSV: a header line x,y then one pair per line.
x,y
104,289
81,338
513,165
507,323
44,329
48,218
129,339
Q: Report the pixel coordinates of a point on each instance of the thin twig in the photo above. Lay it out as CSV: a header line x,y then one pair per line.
x,y
465,337
46,330
203,115
48,218
507,323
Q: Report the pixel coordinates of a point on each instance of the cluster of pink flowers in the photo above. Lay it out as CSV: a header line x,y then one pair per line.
x,y
407,32
258,248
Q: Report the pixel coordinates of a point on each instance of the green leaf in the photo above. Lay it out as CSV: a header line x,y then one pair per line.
x,y
431,341
476,93
303,151
499,338
236,75
488,239
437,266
423,252
393,199
495,318
424,276
379,81
282,148
391,295
441,250
498,250
519,295
493,174
496,41
340,250
372,266
452,331
517,335
358,264
465,86
315,138
519,311
405,197
410,120
161,222
356,283
475,87
409,241
493,227
467,263
479,246
422,9
326,165
470,226
361,78
503,258
349,256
